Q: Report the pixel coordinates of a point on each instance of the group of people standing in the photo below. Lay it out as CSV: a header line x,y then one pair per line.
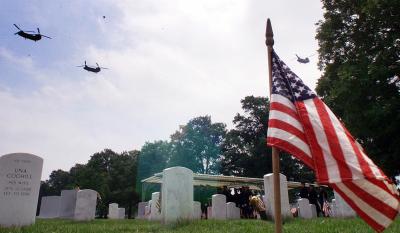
x,y
245,199
317,196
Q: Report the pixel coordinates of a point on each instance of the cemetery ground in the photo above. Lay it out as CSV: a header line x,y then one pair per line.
x,y
326,225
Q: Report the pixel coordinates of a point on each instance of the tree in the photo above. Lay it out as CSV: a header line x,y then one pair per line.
x,y
197,145
359,54
245,152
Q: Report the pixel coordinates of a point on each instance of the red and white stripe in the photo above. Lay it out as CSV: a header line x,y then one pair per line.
x,y
311,132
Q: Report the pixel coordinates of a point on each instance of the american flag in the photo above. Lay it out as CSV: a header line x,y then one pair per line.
x,y
302,125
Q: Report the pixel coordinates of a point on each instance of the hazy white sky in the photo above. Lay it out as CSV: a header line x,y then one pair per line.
x,y
169,61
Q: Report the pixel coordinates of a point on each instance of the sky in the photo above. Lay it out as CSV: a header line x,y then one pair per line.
x,y
169,61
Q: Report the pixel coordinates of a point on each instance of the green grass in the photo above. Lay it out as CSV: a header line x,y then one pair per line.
x,y
327,225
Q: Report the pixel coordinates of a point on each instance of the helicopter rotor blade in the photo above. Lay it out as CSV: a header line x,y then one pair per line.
x,y
38,30
103,68
97,64
80,66
17,27
47,36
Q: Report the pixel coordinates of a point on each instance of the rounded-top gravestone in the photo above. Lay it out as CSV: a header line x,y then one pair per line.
x,y
20,175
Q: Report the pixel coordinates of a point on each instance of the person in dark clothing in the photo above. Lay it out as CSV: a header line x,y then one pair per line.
x,y
322,198
303,191
227,193
313,198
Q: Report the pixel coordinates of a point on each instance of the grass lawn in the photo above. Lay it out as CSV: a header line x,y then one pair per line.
x,y
233,226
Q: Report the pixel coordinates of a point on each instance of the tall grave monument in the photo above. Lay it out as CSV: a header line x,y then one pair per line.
x,y
20,175
176,194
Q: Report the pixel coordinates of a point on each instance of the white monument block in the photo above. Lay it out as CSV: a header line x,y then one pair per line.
x,y
196,210
209,212
86,201
68,203
304,208
50,207
269,196
177,194
20,175
113,211
121,213
155,213
141,209
232,212
343,210
313,211
218,206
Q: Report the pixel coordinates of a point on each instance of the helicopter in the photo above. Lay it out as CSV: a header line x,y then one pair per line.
x,y
92,69
302,60
31,36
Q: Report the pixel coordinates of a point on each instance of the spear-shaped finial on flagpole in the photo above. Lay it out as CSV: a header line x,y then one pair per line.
x,y
269,41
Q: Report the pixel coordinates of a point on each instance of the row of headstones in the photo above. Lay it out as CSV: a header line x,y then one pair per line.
x,y
114,212
339,208
72,204
177,199
219,209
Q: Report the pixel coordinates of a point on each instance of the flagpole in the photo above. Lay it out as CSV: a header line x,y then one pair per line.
x,y
269,41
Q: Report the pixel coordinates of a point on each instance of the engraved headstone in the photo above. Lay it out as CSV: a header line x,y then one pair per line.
x,y
155,213
177,194
68,203
147,211
20,175
196,210
85,209
113,212
269,196
50,207
218,206
304,208
209,212
343,210
121,213
141,209
232,212
313,211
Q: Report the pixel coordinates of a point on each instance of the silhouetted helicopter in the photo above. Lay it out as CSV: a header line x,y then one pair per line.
x,y
31,36
92,69
302,60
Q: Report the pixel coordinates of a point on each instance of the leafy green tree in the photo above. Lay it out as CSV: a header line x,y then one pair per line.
x,y
245,152
197,145
359,54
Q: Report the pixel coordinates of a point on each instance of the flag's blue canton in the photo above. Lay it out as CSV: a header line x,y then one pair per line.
x,y
286,83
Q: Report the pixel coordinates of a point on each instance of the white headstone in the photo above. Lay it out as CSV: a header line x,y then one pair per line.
x,y
304,208
68,203
196,210
121,213
269,196
141,209
177,194
155,213
209,212
342,208
85,209
50,207
313,211
20,175
218,206
333,208
113,212
147,211
232,212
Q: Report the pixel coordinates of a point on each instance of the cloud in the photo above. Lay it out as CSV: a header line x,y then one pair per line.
x,y
169,61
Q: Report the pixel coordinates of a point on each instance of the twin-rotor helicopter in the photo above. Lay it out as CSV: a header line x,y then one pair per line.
x,y
32,35
92,69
